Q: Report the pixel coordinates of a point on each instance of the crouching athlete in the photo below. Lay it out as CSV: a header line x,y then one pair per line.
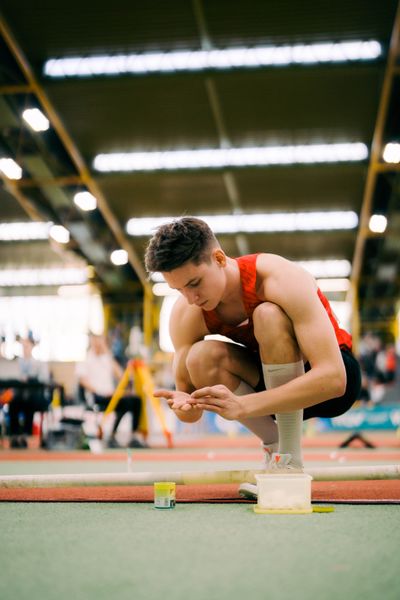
x,y
291,360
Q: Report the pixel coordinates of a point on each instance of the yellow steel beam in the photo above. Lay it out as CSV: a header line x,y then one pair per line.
x,y
73,152
376,151
6,90
373,170
49,181
24,202
148,317
379,324
387,167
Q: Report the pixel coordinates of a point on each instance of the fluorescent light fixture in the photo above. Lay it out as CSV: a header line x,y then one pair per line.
x,y
10,168
377,223
74,291
334,285
254,223
59,234
119,257
326,268
391,153
212,158
24,231
36,119
215,59
85,201
38,277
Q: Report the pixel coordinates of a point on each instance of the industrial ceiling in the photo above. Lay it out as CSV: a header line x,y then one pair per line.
x,y
237,107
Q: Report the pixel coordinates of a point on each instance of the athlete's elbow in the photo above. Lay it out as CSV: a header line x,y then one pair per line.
x,y
338,381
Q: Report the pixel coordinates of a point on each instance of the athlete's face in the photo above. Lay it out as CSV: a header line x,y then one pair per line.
x,y
203,284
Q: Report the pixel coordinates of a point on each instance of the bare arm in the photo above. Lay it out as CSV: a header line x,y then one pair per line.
x,y
186,328
295,291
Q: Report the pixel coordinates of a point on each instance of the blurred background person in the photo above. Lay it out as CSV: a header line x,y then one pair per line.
x,y
97,376
379,366
33,396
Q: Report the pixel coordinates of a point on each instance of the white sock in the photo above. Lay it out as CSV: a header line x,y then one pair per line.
x,y
263,427
290,424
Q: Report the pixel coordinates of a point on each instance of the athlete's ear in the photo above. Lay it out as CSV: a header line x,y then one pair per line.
x,y
219,256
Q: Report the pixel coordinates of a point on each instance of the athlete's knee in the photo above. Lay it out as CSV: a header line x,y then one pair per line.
x,y
270,314
204,357
271,321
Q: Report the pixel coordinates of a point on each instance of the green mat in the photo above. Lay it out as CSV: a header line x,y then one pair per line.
x,y
196,552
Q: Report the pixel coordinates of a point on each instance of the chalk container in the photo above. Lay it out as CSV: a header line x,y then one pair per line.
x,y
284,493
164,494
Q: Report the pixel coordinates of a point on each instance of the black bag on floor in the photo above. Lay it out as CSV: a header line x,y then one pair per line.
x,y
68,435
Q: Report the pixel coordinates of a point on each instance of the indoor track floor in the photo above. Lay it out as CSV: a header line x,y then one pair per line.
x,y
212,545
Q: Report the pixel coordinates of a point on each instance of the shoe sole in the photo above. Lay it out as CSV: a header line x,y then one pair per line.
x,y
248,491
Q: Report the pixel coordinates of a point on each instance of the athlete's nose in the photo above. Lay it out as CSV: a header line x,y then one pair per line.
x,y
191,296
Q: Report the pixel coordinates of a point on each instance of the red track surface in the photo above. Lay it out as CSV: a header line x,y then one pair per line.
x,y
322,491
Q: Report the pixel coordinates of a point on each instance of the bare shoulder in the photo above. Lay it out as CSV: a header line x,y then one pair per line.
x,y
279,278
269,264
187,324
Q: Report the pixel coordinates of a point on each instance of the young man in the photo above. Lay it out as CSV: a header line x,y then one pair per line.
x,y
293,361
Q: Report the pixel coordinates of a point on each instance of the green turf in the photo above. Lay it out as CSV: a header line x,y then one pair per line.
x,y
196,552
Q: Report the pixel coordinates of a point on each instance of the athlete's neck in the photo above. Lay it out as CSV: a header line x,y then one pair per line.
x,y
233,284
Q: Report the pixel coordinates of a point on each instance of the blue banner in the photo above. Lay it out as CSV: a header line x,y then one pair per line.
x,y
376,417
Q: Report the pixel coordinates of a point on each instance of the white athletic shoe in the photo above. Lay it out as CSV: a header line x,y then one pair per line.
x,y
248,491
278,464
269,450
282,463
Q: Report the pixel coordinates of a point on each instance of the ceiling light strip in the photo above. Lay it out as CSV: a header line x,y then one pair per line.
x,y
215,59
39,277
36,119
10,168
391,153
14,232
216,158
256,223
326,268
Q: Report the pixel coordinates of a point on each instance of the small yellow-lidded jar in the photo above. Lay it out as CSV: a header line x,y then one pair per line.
x,y
164,494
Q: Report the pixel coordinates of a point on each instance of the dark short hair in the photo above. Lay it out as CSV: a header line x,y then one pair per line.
x,y
174,244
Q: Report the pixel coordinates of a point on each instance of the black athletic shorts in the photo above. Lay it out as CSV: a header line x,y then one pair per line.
x,y
335,406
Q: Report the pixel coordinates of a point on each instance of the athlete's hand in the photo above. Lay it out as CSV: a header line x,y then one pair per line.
x,y
220,400
176,400
180,403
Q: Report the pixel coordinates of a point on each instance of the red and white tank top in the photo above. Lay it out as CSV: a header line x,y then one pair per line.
x,y
244,333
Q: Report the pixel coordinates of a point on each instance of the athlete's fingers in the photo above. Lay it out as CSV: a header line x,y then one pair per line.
x,y
209,401
164,394
176,403
178,406
210,408
216,391
186,407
